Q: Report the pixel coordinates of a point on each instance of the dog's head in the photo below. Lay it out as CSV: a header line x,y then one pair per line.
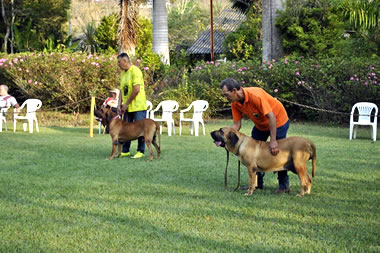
x,y
105,114
225,137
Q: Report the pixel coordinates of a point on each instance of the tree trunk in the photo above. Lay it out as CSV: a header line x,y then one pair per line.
x,y
160,31
272,47
127,27
12,23
6,36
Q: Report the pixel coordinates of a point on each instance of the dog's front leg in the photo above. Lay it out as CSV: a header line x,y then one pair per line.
x,y
252,181
113,152
114,143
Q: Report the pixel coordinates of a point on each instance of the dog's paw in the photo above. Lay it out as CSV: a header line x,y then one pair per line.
x,y
299,195
247,194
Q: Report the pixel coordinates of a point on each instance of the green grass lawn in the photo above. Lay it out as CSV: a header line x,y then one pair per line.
x,y
59,194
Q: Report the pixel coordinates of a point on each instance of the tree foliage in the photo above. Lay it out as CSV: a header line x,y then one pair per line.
x,y
246,42
106,32
43,18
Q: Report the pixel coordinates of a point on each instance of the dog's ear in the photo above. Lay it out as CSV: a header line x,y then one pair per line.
x,y
233,138
109,117
98,114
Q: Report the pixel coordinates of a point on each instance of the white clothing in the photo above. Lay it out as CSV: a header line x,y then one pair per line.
x,y
8,100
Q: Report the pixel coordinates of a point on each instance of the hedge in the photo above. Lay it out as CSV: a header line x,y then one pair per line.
x,y
64,79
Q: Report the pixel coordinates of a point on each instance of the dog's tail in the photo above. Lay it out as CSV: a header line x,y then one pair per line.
x,y
158,133
314,158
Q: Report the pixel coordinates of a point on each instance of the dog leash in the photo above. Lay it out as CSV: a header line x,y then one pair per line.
x,y
225,173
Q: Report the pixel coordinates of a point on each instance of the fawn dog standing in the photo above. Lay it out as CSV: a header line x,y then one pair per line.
x,y
256,156
122,131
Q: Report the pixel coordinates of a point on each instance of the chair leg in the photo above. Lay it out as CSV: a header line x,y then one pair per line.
x,y
37,129
192,128
196,128
351,130
373,132
203,125
355,131
14,125
169,128
180,128
30,126
1,124
100,127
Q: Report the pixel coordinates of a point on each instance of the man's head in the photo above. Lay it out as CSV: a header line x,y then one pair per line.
x,y
3,90
123,61
231,90
114,93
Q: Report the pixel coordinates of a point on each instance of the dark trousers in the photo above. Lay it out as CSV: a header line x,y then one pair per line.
x,y
131,117
283,179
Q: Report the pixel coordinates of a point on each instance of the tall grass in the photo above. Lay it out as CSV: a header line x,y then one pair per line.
x,y
59,194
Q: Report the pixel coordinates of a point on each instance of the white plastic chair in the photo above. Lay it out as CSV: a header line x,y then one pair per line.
x,y
3,118
32,105
149,106
199,107
168,107
365,109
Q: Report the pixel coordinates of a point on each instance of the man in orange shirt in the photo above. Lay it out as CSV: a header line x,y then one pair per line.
x,y
267,113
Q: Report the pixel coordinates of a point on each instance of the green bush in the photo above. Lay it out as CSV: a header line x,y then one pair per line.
x,y
319,29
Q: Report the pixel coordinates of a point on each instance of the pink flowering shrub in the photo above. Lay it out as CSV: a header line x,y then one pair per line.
x,y
65,80
62,79
332,84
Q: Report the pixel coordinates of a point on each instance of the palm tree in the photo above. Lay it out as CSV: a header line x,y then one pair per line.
x,y
363,14
160,30
129,10
272,47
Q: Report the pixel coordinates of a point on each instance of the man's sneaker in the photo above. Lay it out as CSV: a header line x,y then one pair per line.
x,y
125,154
138,155
280,190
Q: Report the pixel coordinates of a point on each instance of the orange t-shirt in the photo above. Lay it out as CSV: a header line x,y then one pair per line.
x,y
257,104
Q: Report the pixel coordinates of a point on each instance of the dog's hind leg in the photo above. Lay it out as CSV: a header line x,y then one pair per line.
x,y
119,149
158,149
148,143
303,177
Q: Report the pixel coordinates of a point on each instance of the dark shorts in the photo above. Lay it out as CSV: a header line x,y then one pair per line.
x,y
263,135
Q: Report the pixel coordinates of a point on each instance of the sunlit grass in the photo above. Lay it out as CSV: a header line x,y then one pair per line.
x,y
59,194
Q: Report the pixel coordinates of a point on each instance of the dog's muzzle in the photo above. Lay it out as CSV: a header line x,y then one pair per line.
x,y
218,140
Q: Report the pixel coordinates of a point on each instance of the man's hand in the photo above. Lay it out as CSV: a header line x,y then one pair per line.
x,y
273,147
124,107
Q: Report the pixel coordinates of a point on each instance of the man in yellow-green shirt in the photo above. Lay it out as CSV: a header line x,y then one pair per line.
x,y
132,102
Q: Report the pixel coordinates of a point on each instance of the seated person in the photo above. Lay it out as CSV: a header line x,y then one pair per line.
x,y
112,102
7,100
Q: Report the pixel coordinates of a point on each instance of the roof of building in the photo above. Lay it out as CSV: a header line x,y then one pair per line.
x,y
227,21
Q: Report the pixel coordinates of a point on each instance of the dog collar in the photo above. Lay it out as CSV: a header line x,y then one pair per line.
x,y
117,116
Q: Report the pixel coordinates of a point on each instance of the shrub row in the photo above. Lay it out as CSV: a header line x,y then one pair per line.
x,y
64,80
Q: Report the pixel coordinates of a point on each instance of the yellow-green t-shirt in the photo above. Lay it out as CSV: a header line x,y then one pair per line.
x,y
128,79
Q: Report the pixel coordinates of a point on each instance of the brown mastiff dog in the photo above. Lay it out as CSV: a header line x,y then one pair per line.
x,y
122,131
256,156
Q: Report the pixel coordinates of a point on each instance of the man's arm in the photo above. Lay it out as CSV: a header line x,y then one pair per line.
x,y
17,106
273,145
135,91
236,125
